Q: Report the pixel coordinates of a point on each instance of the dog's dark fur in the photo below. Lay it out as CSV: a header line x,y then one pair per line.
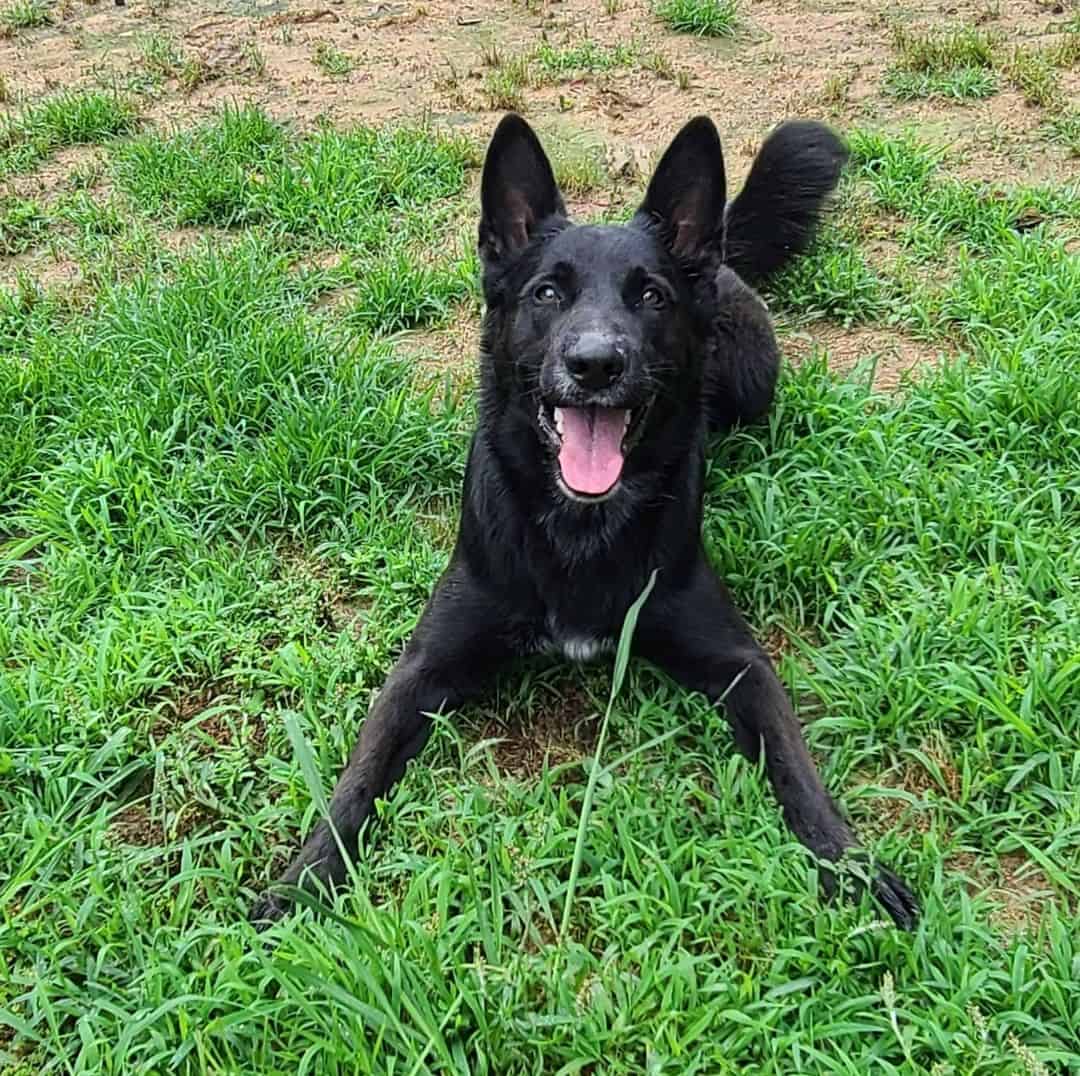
x,y
649,320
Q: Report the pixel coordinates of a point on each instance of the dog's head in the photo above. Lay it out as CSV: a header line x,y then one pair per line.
x,y
594,328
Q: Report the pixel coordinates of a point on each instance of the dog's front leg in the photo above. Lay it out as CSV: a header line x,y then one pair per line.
x,y
459,643
698,636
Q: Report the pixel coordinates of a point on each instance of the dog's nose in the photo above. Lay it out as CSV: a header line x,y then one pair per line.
x,y
595,361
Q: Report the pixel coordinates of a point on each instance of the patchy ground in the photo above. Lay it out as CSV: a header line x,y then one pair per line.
x,y
371,63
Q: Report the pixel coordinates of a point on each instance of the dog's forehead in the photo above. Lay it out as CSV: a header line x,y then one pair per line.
x,y
603,248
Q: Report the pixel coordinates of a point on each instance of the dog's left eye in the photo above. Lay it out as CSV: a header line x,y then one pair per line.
x,y
546,294
652,297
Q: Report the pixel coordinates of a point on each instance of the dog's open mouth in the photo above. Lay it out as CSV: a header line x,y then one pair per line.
x,y
592,444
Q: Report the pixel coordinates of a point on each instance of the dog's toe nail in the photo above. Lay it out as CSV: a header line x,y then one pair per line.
x,y
897,899
265,912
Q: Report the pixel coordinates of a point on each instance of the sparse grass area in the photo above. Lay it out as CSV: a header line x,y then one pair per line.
x,y
330,60
579,162
509,76
254,60
226,491
1066,53
22,224
834,95
1065,129
164,58
556,62
23,15
962,63
961,84
706,18
940,51
68,119
161,56
506,82
1035,77
956,63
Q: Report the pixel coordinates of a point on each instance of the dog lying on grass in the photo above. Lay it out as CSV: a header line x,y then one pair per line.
x,y
609,355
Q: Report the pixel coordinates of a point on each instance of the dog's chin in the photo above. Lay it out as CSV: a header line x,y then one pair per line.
x,y
579,436
584,498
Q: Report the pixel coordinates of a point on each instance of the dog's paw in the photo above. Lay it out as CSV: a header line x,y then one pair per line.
x,y
853,875
266,911
895,897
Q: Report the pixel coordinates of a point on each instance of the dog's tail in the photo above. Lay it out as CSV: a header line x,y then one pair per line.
x,y
777,212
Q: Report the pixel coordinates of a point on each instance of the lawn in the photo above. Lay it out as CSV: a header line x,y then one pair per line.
x,y
236,373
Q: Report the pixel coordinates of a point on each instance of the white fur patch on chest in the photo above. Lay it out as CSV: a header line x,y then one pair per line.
x,y
576,647
584,649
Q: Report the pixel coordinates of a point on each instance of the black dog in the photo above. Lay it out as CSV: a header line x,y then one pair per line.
x,y
608,355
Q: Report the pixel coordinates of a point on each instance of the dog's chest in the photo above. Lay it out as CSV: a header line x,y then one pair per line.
x,y
573,643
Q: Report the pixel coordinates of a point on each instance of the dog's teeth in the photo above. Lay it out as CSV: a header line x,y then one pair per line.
x,y
558,420
626,421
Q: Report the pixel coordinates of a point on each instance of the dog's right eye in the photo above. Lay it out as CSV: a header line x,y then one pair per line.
x,y
546,294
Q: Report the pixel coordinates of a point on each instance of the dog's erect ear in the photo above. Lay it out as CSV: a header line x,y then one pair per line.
x,y
518,189
688,190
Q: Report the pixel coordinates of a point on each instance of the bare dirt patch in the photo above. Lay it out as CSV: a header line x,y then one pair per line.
x,y
404,60
1015,884
919,784
48,270
203,705
789,59
451,348
895,357
561,728
136,826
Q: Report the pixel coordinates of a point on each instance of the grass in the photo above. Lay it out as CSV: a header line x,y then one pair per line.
x,y
161,56
1066,53
223,503
1035,77
706,18
579,162
509,76
956,63
959,84
938,51
834,93
835,282
557,62
23,15
1065,129
962,63
505,84
71,118
330,60
904,179
242,168
22,224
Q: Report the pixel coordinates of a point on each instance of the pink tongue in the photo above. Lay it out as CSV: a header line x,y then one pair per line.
x,y
591,456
